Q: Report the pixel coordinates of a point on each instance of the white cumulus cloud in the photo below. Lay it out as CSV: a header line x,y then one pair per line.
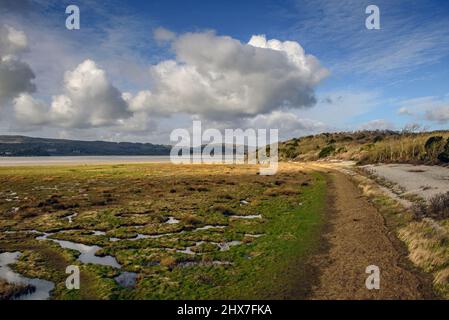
x,y
89,100
218,77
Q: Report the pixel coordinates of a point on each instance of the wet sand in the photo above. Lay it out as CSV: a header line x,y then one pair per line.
x,y
81,160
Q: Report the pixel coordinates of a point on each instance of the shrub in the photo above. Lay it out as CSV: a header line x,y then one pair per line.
x,y
342,150
432,141
326,151
419,210
444,156
433,147
437,207
378,139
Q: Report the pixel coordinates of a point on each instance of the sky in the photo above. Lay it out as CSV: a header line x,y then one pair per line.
x,y
137,70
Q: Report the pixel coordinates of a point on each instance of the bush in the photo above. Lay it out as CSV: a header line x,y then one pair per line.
x,y
432,141
437,207
419,209
433,147
378,139
444,156
326,151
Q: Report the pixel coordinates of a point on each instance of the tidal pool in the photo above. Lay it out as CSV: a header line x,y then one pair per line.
x,y
87,252
126,279
42,287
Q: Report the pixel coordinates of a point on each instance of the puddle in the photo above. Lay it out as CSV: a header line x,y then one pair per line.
x,y
172,220
71,217
98,233
127,279
22,231
209,227
225,246
87,252
253,235
139,236
187,250
42,287
253,216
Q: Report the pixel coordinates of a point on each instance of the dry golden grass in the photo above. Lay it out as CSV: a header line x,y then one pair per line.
x,y
168,262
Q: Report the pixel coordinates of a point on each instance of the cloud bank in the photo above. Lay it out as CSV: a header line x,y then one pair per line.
x,y
215,78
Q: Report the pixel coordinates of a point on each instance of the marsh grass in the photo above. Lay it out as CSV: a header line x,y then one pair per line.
x,y
10,291
125,201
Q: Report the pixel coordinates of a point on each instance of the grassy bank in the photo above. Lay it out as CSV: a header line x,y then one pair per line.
x,y
370,147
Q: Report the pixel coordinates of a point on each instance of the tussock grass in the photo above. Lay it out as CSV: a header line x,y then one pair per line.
x,y
10,291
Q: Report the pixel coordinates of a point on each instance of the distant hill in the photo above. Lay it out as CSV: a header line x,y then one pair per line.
x,y
16,146
370,147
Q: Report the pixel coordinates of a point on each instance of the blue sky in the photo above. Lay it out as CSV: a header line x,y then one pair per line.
x,y
377,79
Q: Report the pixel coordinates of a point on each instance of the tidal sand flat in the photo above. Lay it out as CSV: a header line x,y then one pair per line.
x,y
56,160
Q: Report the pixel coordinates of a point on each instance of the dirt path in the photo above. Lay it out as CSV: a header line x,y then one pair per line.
x,y
356,238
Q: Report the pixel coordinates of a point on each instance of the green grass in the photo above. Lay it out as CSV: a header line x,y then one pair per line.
x,y
277,263
124,200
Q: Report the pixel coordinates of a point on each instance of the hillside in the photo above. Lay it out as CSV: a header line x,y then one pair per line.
x,y
370,147
27,146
